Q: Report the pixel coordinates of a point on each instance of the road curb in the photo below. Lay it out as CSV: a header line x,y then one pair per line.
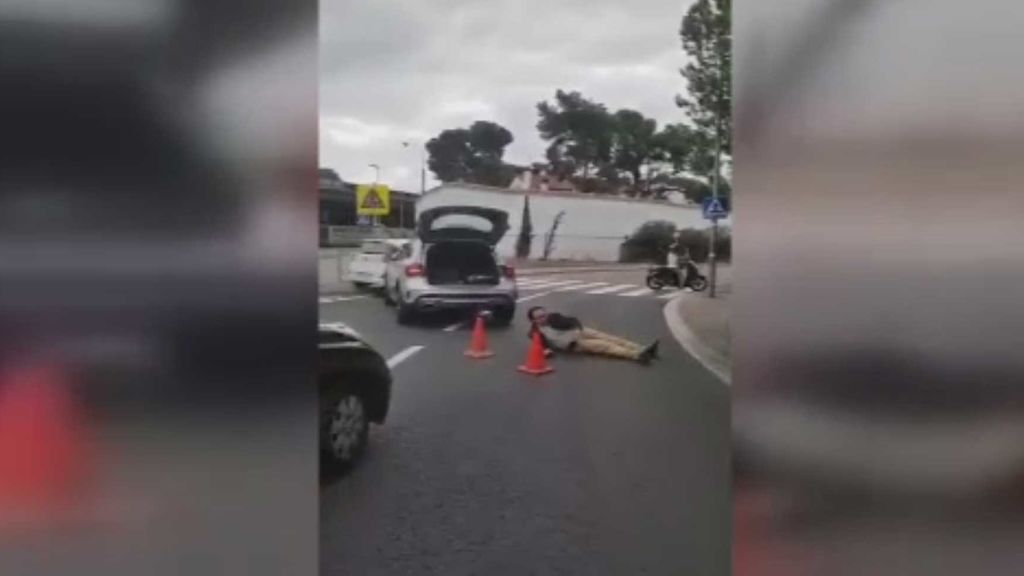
x,y
542,271
707,356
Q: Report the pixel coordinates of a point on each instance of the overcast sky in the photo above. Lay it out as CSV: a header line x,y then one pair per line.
x,y
403,70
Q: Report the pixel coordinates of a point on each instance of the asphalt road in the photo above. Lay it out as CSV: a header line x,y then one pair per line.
x,y
602,467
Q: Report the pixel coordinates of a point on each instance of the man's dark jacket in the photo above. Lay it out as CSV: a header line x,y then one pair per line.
x,y
559,322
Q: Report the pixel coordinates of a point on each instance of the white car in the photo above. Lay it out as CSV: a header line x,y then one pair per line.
x,y
366,270
453,265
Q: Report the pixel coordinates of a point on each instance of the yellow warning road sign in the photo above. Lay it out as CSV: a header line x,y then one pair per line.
x,y
373,200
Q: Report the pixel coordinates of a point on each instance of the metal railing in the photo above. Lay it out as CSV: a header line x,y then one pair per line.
x,y
351,236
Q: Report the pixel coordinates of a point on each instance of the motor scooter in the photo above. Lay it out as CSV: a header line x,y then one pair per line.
x,y
659,277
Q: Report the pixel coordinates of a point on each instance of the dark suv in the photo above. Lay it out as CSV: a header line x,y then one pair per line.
x,y
354,391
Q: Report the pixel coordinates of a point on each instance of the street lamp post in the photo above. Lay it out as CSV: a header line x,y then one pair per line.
x,y
423,171
423,176
376,180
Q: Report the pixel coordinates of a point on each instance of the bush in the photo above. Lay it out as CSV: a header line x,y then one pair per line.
x,y
698,242
650,243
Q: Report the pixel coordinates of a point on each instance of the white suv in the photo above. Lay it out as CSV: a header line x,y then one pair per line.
x,y
453,265
366,269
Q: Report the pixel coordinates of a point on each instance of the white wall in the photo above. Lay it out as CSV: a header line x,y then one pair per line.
x,y
592,228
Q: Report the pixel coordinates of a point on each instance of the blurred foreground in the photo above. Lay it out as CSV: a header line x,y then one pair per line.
x,y
158,286
878,407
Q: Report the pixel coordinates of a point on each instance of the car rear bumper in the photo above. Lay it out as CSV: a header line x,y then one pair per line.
x,y
366,278
442,301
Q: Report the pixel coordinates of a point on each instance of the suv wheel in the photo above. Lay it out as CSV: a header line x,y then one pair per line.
x,y
345,427
405,312
504,316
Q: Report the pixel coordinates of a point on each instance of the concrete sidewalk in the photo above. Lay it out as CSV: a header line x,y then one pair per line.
x,y
701,325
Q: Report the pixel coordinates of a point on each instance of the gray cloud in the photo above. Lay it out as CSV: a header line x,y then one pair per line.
x,y
403,70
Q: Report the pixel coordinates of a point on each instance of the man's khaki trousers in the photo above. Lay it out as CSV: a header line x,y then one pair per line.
x,y
596,342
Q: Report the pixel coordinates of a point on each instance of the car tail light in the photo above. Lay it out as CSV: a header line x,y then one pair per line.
x,y
415,270
509,272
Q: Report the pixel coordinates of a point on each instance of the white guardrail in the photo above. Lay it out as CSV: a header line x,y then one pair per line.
x,y
332,266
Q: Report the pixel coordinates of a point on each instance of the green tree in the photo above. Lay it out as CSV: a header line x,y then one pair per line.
x,y
676,145
525,240
634,143
706,34
579,131
449,154
471,154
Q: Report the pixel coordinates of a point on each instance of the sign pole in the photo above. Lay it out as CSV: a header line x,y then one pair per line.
x,y
712,257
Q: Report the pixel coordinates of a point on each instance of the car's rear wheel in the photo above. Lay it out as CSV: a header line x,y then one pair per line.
x,y
504,316
405,313
345,427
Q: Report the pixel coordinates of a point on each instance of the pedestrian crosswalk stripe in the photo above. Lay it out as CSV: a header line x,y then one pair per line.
x,y
528,281
611,289
640,292
333,299
546,285
581,286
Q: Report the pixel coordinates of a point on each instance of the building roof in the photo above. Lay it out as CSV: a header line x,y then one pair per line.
x,y
333,186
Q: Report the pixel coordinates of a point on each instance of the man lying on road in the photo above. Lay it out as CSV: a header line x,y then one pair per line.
x,y
568,334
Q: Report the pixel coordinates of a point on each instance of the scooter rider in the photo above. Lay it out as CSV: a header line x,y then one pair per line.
x,y
683,261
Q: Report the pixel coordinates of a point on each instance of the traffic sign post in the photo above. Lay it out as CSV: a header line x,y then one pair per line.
x,y
373,200
714,208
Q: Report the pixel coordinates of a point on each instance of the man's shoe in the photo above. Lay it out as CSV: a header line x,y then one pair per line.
x,y
647,354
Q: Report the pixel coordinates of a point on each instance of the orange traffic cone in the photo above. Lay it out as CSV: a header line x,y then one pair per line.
x,y
478,344
536,364
43,460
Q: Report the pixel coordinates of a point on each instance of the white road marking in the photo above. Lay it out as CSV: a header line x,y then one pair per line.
x,y
455,326
530,281
333,299
582,286
403,356
640,292
338,345
611,289
533,296
547,285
